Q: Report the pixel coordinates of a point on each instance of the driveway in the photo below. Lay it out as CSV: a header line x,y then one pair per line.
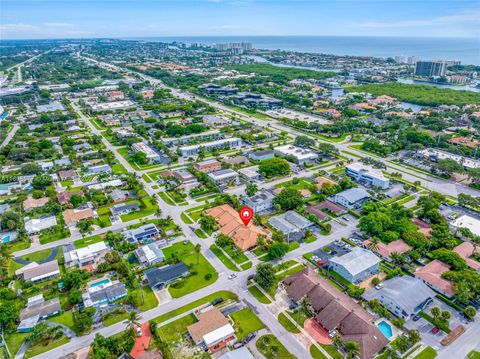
x,y
142,342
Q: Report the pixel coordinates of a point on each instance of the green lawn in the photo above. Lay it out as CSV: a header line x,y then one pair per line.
x,y
66,183
287,323
66,318
80,243
114,318
332,351
118,169
39,349
427,353
228,263
146,208
53,234
236,254
200,233
246,265
226,295
299,316
257,293
37,256
196,263
149,298
172,332
166,198
245,322
15,341
473,355
290,271
18,245
271,348
184,218
316,353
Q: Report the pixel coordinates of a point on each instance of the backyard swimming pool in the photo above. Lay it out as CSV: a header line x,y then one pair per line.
x,y
96,284
385,328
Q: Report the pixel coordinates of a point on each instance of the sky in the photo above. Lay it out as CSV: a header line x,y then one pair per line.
x,y
35,19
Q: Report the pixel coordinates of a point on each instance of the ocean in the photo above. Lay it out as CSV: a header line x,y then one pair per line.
x,y
467,50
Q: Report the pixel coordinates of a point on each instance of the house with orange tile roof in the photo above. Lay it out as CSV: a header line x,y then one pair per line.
x,y
431,274
383,99
320,181
72,216
228,220
386,250
464,141
467,250
32,203
424,227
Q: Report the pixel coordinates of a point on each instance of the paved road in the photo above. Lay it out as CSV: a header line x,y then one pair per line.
x,y
10,135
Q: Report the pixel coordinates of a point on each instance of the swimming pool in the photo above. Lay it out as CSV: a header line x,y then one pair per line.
x,y
385,328
6,239
96,284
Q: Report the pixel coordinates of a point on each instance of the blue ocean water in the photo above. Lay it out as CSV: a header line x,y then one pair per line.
x,y
467,50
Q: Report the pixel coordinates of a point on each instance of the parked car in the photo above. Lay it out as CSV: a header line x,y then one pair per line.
x,y
379,286
249,337
250,277
435,330
292,306
217,301
231,276
416,317
238,345
138,330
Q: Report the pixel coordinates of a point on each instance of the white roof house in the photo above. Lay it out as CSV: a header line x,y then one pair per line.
x,y
103,185
86,254
149,254
36,225
355,265
218,334
468,222
301,155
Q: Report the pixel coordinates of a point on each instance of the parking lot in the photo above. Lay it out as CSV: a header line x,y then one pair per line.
x,y
337,248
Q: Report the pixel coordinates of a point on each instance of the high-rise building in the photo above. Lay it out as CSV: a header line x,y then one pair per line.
x,y
400,59
430,68
412,60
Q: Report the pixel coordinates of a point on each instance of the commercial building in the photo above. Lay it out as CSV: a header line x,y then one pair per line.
x,y
301,156
404,296
209,146
213,89
39,272
259,202
367,175
152,156
336,312
36,225
142,234
250,173
430,68
355,265
256,100
435,155
112,106
291,224
224,176
50,107
101,292
352,198
149,254
86,255
159,278
212,331
261,155
466,221
431,274
208,166
228,220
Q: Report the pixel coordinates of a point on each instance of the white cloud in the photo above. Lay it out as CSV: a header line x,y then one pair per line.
x,y
460,18
19,27
57,24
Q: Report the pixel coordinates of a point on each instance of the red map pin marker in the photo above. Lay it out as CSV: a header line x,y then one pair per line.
x,y
246,215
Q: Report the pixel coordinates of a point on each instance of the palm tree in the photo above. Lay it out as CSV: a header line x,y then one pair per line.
x,y
132,320
352,348
198,248
373,243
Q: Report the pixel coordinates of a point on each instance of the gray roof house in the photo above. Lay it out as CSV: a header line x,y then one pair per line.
x,y
404,296
104,295
291,224
261,201
124,208
352,198
149,254
161,277
355,265
142,234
